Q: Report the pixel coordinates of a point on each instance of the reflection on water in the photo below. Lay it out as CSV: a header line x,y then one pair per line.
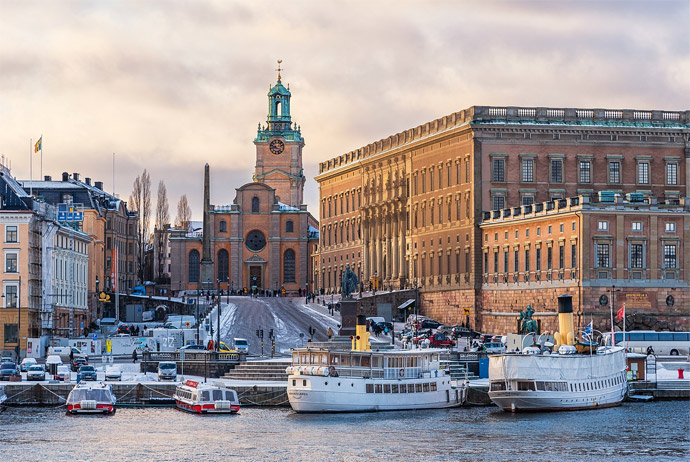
x,y
636,431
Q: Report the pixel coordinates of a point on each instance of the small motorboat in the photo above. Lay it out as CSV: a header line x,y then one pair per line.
x,y
202,398
91,398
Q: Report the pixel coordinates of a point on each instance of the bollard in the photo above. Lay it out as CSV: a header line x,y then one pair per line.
x,y
680,374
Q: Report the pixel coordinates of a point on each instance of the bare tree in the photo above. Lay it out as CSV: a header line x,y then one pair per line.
x,y
141,203
184,213
161,230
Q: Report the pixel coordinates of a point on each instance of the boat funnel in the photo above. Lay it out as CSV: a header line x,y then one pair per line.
x,y
566,329
360,341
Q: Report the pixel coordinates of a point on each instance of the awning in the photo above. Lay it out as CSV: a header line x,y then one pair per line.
x,y
407,304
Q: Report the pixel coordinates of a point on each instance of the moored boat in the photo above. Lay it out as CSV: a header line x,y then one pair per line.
x,y
91,398
539,379
202,398
361,380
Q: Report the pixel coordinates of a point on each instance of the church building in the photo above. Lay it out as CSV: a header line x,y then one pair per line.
x,y
263,239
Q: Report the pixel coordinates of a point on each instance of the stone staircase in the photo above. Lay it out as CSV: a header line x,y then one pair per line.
x,y
258,371
457,370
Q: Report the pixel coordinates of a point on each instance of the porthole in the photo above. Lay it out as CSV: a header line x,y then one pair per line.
x,y
326,383
338,383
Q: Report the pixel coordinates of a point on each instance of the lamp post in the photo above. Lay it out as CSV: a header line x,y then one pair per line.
x,y
218,307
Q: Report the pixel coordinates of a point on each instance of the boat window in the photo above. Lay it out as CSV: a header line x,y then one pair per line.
x,y
433,386
377,361
205,395
540,386
294,382
356,359
410,388
335,359
418,387
295,358
498,386
386,388
370,387
304,383
394,388
426,387
366,361
379,388
525,386
217,395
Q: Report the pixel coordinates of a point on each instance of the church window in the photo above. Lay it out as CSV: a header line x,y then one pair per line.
x,y
193,269
223,226
223,266
255,204
289,226
289,266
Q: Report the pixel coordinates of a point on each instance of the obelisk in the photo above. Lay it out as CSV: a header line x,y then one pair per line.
x,y
206,262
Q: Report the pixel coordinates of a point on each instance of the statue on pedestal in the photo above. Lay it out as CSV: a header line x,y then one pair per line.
x,y
349,283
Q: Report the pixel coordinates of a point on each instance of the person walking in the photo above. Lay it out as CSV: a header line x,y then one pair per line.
x,y
134,356
329,333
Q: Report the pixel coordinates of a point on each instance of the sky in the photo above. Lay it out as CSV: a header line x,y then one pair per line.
x,y
170,85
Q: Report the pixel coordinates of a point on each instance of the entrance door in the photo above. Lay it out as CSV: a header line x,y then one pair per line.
x,y
255,277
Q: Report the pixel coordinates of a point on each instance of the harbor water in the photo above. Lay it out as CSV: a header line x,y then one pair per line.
x,y
657,431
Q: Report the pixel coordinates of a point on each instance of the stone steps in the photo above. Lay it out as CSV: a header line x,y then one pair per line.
x,y
259,371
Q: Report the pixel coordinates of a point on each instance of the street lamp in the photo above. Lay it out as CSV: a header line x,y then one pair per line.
x,y
218,306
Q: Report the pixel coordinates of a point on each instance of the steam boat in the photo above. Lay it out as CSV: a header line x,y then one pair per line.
x,y
357,380
91,398
201,398
539,379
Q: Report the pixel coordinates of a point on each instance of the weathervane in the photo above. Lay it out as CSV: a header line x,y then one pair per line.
x,y
279,63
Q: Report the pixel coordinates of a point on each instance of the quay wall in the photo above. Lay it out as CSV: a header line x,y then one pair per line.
x,y
135,394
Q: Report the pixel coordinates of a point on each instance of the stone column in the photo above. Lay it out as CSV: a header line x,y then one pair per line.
x,y
401,254
365,249
379,246
395,274
387,243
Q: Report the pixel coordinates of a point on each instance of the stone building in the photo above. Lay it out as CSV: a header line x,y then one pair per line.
x,y
406,209
604,252
265,237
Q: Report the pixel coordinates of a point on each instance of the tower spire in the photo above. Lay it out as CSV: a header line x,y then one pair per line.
x,y
279,69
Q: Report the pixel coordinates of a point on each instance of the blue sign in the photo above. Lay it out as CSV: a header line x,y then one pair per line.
x,y
94,337
70,212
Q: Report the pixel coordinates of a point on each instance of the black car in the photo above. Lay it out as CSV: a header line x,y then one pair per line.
x,y
430,324
87,372
7,370
77,363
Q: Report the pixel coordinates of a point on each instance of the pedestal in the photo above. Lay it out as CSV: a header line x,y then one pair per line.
x,y
207,275
348,312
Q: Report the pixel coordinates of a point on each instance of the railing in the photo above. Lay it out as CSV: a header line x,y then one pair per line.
x,y
190,356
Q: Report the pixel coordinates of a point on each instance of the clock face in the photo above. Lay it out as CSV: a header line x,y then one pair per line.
x,y
276,146
255,241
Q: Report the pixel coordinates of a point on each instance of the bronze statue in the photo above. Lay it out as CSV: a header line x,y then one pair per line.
x,y
527,324
349,283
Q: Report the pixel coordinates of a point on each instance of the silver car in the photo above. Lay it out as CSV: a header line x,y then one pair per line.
x,y
167,370
36,372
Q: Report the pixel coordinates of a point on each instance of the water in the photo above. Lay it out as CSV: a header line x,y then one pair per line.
x,y
656,431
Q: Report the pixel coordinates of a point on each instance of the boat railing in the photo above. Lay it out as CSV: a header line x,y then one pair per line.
x,y
364,372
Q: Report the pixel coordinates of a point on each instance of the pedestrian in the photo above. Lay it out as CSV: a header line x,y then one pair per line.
x,y
71,355
134,356
329,332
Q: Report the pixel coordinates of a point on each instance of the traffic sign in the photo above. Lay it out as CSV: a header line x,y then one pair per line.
x,y
70,212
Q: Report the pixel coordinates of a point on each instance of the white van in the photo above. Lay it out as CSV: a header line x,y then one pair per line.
x,y
64,352
241,345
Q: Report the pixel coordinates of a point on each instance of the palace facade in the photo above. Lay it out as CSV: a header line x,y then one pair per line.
x,y
405,210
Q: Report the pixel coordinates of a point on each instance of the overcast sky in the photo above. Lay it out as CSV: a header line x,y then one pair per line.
x,y
171,85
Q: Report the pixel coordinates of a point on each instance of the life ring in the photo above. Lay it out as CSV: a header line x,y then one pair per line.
x,y
332,372
401,372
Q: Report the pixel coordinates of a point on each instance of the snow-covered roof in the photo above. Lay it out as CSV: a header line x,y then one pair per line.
x,y
287,208
12,183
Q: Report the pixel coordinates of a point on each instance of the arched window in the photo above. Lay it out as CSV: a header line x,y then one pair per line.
x,y
223,264
193,269
223,226
255,204
289,266
289,226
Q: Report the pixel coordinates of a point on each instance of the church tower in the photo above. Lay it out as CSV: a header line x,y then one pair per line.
x,y
279,148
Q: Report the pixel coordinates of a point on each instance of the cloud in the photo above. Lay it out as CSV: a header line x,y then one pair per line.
x,y
171,85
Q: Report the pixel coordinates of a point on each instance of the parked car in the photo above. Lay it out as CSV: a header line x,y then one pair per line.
x,y
36,372
87,372
27,363
167,370
430,324
63,373
8,370
241,345
440,340
223,348
123,329
78,363
113,372
495,347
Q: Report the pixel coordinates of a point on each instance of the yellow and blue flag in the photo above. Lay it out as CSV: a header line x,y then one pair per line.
x,y
37,147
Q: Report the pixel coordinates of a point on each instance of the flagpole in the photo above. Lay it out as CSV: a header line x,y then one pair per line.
x,y
31,166
41,138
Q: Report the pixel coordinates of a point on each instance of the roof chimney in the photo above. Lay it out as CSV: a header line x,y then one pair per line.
x,y
88,180
75,176
47,178
98,185
65,176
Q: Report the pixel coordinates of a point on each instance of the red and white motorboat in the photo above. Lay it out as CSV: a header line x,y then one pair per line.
x,y
91,398
202,398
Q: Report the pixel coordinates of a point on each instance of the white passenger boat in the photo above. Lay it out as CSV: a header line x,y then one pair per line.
x,y
91,398
202,398
539,379
3,396
357,380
